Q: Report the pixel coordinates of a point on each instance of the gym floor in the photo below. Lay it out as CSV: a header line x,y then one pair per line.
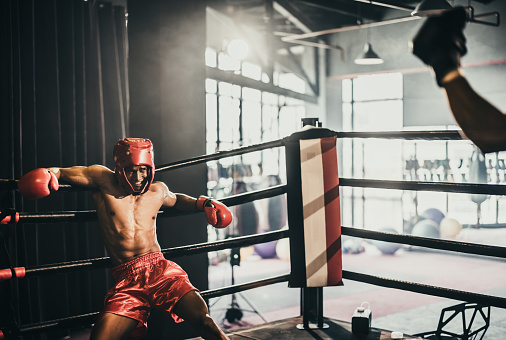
x,y
392,309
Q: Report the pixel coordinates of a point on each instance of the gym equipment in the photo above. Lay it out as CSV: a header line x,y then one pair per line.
x,y
387,248
449,227
433,214
266,250
426,228
283,249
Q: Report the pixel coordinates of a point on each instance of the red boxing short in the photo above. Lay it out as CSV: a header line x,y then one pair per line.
x,y
148,281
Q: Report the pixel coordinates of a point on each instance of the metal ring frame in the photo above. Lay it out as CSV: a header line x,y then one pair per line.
x,y
448,245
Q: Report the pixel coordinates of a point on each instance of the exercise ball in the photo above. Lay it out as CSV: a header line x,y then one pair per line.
x,y
266,250
352,246
449,227
434,215
283,249
388,248
426,228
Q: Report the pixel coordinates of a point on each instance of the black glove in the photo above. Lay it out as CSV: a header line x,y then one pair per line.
x,y
440,42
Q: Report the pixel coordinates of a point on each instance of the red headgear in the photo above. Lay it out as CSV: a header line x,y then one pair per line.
x,y
133,151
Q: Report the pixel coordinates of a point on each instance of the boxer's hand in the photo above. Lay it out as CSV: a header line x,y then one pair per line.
x,y
440,42
37,183
217,214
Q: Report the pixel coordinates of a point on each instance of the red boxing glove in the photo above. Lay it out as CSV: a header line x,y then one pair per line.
x,y
217,214
37,183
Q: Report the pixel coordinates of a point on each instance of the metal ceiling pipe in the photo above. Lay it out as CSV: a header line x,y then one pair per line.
x,y
348,28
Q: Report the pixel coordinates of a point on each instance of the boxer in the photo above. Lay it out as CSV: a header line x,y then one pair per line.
x,y
127,203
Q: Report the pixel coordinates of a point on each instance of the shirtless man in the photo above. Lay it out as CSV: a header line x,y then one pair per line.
x,y
127,203
440,43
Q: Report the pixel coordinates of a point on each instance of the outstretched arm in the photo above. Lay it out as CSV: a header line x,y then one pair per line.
x,y
480,121
178,201
89,177
217,214
40,182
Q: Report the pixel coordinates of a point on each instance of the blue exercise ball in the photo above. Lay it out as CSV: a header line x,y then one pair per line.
x,y
426,228
387,248
434,215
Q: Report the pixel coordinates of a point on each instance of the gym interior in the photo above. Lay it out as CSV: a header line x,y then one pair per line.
x,y
79,75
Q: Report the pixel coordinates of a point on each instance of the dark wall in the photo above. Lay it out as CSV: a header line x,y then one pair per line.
x,y
424,103
167,104
63,95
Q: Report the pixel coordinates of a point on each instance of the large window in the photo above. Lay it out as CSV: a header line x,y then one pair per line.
x,y
375,103
372,103
239,116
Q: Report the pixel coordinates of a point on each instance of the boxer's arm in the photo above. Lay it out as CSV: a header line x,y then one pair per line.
x,y
217,214
480,121
83,176
185,202
177,201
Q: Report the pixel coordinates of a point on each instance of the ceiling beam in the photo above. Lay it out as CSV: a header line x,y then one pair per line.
x,y
347,9
294,15
231,77
388,4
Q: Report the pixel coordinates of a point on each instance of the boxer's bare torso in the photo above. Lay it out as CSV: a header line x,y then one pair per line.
x,y
127,222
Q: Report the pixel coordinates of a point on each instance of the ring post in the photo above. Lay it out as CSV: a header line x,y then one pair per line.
x,y
313,218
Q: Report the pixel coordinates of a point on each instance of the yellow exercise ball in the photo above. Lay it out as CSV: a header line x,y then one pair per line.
x,y
246,252
283,249
449,227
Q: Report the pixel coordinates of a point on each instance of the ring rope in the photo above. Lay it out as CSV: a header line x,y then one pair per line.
x,y
244,286
46,326
175,252
80,320
220,154
427,289
449,245
408,135
104,262
360,277
10,184
462,188
236,242
11,320
90,215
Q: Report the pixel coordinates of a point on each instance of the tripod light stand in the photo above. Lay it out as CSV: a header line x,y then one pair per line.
x,y
234,312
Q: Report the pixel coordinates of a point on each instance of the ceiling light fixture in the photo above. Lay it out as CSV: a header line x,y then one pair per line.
x,y
368,57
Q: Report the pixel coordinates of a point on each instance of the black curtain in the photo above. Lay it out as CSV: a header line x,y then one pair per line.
x,y
64,102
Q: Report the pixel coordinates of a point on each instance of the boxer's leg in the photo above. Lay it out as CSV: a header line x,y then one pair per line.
x,y
110,326
193,309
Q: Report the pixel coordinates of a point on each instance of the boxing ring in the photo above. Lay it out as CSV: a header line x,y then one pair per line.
x,y
70,322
